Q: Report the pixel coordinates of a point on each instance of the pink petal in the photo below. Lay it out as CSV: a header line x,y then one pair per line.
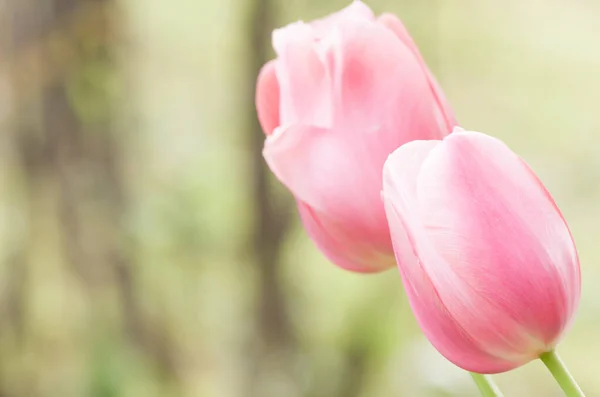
x,y
330,175
267,98
296,153
508,269
367,65
448,336
303,79
379,85
345,217
445,113
344,245
356,10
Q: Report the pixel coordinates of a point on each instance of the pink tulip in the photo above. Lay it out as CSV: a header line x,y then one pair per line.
x,y
487,260
342,94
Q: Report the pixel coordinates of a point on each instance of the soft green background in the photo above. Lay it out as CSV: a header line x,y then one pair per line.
x,y
133,262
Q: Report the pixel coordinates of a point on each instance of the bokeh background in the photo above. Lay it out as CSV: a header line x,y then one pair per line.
x,y
145,249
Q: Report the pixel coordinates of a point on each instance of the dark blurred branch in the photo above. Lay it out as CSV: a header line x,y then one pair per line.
x,y
351,383
44,51
148,334
13,303
81,160
276,342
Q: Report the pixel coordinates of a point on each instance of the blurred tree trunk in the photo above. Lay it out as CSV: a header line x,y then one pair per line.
x,y
54,45
273,371
276,370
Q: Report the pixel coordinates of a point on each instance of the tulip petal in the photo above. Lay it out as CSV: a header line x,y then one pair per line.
x,y
357,10
445,114
331,176
511,269
394,24
267,98
449,337
303,158
303,79
379,86
342,245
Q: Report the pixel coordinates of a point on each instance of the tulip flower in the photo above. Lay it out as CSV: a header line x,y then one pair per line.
x,y
342,94
486,258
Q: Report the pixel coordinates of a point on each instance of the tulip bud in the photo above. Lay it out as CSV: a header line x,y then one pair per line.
x,y
486,258
342,94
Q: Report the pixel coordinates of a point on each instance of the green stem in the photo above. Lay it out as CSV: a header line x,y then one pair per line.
x,y
486,385
560,372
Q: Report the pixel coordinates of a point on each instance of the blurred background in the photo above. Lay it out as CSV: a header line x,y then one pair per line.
x,y
145,249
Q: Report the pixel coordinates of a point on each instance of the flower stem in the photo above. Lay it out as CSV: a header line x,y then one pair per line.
x,y
560,372
486,385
